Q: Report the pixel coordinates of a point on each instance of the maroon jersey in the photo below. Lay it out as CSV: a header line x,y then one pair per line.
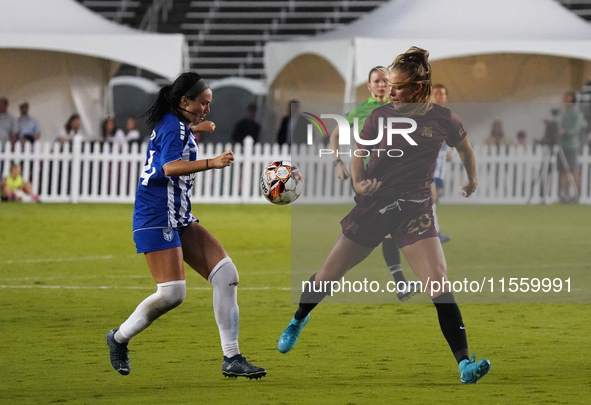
x,y
411,174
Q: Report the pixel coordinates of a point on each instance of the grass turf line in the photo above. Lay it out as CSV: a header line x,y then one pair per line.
x,y
53,348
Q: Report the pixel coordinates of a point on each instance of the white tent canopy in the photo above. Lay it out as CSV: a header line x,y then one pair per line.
x,y
455,29
59,56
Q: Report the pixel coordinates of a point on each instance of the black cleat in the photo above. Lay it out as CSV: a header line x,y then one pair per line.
x,y
409,291
119,354
237,366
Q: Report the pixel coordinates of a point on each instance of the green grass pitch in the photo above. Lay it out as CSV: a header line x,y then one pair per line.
x,y
69,273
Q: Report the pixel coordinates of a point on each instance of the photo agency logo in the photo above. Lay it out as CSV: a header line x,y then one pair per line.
x,y
393,126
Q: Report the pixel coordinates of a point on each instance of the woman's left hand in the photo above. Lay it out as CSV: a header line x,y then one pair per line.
x,y
367,187
204,126
221,161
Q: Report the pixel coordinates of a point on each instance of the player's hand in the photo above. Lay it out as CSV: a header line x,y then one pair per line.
x,y
367,187
204,126
221,161
469,187
341,171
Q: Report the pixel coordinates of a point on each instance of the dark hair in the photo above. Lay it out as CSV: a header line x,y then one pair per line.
x,y
415,62
68,125
169,97
376,69
105,127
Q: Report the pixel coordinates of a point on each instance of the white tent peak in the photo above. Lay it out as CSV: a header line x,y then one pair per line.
x,y
59,56
467,19
54,17
66,26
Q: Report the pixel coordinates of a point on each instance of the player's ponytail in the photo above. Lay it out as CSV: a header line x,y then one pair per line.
x,y
415,62
188,84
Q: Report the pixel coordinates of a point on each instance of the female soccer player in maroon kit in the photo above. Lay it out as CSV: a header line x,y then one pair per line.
x,y
393,196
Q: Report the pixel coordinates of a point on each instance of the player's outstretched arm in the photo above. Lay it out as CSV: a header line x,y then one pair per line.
x,y
182,167
467,157
361,184
339,166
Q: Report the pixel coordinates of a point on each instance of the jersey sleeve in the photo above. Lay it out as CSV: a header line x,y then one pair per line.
x,y
351,116
171,146
456,131
369,131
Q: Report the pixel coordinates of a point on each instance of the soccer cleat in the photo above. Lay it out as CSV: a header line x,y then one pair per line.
x,y
237,366
290,335
471,371
407,293
119,354
444,238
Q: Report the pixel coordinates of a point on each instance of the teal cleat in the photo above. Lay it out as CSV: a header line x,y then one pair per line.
x,y
472,371
290,335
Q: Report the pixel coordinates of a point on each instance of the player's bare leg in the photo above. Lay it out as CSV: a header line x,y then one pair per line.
x,y
205,255
344,255
426,259
29,190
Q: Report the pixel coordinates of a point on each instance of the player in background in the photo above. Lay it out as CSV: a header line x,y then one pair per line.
x,y
379,90
439,96
165,230
394,197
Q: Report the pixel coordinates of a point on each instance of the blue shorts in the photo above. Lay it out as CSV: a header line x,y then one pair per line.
x,y
438,182
152,239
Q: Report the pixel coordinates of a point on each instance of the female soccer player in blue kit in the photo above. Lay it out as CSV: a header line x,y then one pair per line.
x,y
393,196
165,230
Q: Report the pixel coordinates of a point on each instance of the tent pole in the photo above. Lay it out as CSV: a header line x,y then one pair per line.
x,y
349,78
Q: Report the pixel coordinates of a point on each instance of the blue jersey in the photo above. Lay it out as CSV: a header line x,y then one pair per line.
x,y
163,201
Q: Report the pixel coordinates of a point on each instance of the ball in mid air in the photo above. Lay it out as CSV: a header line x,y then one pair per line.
x,y
282,182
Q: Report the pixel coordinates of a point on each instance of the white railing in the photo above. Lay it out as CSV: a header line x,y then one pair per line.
x,y
512,175
91,172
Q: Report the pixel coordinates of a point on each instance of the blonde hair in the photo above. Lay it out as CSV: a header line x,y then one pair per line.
x,y
415,63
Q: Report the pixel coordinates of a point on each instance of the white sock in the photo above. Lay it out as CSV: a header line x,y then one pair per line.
x,y
435,219
168,296
224,279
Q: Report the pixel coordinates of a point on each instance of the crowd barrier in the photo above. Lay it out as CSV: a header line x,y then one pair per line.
x,y
99,173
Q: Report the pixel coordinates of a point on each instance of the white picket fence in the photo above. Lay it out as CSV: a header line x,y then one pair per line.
x,y
86,172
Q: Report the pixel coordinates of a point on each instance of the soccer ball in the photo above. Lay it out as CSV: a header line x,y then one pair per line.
x,y
282,182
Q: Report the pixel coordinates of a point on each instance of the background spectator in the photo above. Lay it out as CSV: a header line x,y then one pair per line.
x,y
293,125
112,134
14,188
247,126
8,127
28,128
522,139
72,129
497,135
133,133
571,126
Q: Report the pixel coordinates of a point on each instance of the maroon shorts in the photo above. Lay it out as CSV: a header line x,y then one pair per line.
x,y
408,221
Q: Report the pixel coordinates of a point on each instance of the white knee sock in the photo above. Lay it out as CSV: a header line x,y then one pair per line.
x,y
435,219
168,296
224,279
